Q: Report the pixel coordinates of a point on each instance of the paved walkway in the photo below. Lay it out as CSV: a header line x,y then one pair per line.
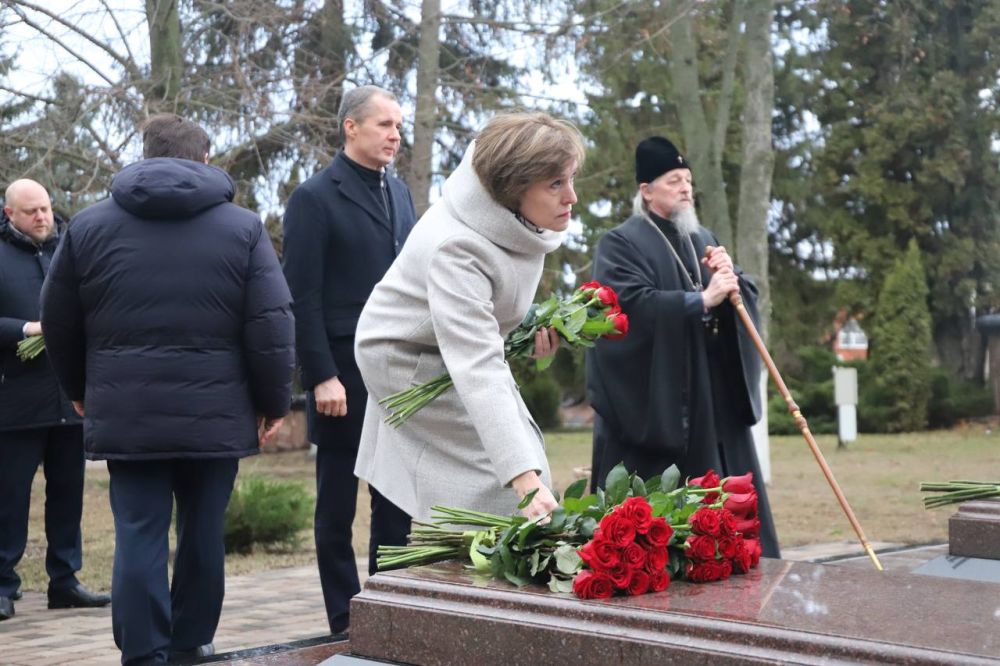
x,y
276,606
282,606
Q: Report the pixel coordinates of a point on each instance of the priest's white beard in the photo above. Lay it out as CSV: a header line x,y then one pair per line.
x,y
685,219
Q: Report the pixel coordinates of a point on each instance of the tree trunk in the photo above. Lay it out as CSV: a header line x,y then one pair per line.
x,y
166,62
698,143
422,156
758,154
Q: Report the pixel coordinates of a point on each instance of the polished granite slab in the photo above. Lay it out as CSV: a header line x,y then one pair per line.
x,y
783,612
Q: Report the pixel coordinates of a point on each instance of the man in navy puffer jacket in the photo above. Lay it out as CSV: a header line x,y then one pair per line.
x,y
169,325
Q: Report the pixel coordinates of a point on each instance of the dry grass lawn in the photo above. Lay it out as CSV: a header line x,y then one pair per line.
x,y
879,476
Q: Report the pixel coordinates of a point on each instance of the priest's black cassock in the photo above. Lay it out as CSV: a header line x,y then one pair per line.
x,y
682,387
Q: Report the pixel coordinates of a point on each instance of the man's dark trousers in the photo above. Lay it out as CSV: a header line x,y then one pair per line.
x,y
184,615
60,450
337,440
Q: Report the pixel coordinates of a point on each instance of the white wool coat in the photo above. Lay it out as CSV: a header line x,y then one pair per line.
x,y
464,280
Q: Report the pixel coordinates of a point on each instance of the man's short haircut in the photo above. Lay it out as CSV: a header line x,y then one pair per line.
x,y
516,150
169,135
355,105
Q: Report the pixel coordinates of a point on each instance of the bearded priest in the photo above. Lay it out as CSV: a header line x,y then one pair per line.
x,y
682,387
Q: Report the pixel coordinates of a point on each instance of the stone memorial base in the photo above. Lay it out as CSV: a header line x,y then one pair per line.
x,y
974,531
783,612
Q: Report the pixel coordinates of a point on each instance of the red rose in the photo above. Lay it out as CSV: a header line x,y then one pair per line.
x,y
620,320
729,547
706,522
639,583
634,556
592,585
700,548
727,523
743,560
706,572
709,480
742,505
621,575
638,510
606,295
659,533
749,528
600,554
753,547
659,581
727,569
656,558
618,529
739,484
593,285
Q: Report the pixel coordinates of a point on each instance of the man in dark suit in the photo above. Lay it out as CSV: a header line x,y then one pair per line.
x,y
169,325
343,228
37,422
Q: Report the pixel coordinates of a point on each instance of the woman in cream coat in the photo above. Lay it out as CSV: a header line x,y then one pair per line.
x,y
464,280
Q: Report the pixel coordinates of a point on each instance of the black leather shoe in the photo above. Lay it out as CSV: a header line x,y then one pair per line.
x,y
191,656
16,596
76,597
6,608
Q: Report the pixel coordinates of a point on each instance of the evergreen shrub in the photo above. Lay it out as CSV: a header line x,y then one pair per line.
x,y
267,512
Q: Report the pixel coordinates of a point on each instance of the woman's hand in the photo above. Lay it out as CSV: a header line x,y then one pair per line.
x,y
546,343
542,503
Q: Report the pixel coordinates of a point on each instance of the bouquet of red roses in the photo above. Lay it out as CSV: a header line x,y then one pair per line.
x,y
633,536
591,312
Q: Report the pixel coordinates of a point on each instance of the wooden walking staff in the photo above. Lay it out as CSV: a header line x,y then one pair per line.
x,y
800,421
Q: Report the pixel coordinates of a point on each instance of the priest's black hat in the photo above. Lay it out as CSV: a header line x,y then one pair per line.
x,y
656,156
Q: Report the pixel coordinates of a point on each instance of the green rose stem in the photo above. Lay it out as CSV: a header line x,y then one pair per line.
x,y
954,492
29,348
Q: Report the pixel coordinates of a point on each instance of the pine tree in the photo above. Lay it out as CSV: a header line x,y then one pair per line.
x,y
901,344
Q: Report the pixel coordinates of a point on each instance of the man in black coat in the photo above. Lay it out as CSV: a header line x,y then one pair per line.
x,y
37,422
343,229
682,387
169,325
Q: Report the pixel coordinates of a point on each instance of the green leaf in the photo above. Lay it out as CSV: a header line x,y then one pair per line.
x,y
654,482
557,323
638,487
661,503
577,320
526,500
542,364
520,581
670,479
576,489
567,559
534,563
561,585
617,484
587,527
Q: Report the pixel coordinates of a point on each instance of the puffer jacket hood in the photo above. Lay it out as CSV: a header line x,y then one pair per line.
x,y
163,188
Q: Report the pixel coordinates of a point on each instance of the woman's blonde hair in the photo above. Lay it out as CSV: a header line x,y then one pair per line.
x,y
516,150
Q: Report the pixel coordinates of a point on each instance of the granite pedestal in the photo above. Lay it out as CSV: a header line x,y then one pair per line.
x,y
974,530
783,612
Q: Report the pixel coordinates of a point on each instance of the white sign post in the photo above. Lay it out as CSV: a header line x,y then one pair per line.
x,y
845,394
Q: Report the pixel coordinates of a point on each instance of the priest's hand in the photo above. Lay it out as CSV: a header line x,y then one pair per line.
x,y
331,398
723,283
543,503
546,343
717,258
